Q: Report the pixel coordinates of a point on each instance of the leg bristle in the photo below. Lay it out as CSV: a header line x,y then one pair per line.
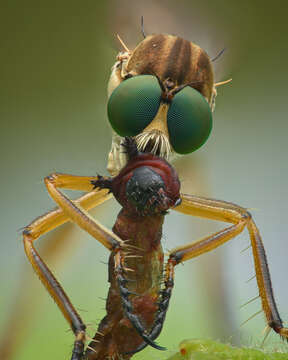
x,y
90,348
251,317
249,301
252,277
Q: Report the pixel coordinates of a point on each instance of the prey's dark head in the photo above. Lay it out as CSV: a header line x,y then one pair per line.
x,y
147,185
146,191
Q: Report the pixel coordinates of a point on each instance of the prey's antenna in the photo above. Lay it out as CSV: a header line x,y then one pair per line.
x,y
142,27
219,54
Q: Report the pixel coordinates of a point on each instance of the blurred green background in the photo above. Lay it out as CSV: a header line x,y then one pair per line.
x,y
55,64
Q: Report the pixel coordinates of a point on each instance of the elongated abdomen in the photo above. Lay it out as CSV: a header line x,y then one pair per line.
x,y
118,336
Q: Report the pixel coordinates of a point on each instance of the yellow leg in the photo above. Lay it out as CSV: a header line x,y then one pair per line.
x,y
55,218
74,211
240,218
49,221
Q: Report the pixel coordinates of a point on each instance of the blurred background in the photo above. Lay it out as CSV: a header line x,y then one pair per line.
x,y
55,63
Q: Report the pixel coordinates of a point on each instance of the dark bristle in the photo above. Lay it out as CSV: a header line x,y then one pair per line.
x,y
102,183
142,27
219,55
130,147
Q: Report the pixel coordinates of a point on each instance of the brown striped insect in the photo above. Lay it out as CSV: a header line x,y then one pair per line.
x,y
161,96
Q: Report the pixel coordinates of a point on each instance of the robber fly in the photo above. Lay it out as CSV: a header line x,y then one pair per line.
x,y
161,98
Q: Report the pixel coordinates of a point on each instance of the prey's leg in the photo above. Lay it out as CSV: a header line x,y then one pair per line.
x,y
240,218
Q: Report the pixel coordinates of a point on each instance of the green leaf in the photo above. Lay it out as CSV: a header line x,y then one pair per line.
x,y
199,349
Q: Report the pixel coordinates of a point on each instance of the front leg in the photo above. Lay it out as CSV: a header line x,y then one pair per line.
x,y
240,218
77,214
74,211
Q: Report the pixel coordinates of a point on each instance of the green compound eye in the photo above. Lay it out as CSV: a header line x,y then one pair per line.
x,y
134,104
189,121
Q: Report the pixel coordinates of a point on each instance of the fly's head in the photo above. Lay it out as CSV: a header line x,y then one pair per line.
x,y
162,94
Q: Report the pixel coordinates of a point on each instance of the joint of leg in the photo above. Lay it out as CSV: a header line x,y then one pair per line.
x,y
175,259
26,232
116,244
78,328
275,325
50,178
29,234
80,336
78,346
246,216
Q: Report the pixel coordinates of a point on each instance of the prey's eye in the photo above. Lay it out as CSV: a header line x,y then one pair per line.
x,y
134,104
189,121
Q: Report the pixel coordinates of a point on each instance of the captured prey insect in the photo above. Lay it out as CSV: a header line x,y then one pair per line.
x,y
161,97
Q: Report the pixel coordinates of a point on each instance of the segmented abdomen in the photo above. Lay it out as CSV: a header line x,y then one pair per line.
x,y
144,263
